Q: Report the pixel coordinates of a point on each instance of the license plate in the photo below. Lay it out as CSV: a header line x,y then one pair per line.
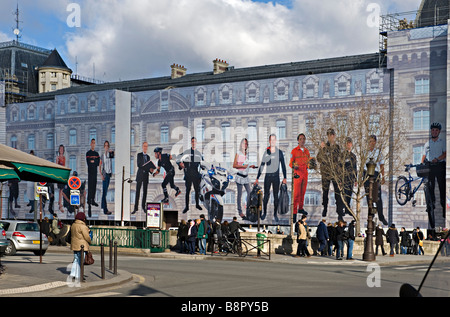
x,y
35,241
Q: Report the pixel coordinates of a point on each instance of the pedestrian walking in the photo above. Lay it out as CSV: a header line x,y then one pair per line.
x,y
80,236
302,237
191,236
322,236
404,241
331,238
182,235
351,239
340,237
202,234
393,239
379,241
418,239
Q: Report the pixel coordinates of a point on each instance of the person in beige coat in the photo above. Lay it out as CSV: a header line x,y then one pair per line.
x,y
79,237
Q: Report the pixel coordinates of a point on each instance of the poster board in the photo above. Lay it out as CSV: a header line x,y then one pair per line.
x,y
154,215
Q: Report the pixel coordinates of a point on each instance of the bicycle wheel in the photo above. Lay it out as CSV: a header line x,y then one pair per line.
x,y
240,249
402,190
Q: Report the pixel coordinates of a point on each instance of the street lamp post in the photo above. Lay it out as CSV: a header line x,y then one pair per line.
x,y
368,254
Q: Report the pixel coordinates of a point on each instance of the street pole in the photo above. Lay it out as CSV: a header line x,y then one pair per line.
x,y
40,228
121,208
369,254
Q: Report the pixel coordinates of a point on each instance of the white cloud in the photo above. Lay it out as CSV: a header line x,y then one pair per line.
x,y
130,39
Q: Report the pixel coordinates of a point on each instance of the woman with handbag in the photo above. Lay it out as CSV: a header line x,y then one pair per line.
x,y
79,237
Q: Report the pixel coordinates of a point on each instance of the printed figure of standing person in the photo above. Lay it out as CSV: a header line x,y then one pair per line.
x,y
435,152
164,161
377,156
272,159
61,160
105,169
328,158
93,161
190,161
241,163
145,166
299,162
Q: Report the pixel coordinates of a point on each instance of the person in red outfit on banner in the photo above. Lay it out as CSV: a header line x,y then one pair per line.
x,y
300,158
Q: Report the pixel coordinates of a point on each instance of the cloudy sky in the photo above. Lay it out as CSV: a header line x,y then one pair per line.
x,y
132,39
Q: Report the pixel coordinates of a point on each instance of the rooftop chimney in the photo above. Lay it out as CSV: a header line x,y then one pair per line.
x,y
220,66
177,71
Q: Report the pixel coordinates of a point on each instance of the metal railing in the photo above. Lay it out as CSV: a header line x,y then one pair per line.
x,y
155,240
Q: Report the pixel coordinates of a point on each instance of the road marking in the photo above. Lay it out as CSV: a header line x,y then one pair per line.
x,y
31,289
105,294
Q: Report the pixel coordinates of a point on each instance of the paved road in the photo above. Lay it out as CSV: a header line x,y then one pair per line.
x,y
154,277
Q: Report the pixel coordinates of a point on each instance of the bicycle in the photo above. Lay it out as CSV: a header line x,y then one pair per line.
x,y
235,246
404,191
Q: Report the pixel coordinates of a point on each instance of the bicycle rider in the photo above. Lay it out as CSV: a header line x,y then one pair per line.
x,y
436,153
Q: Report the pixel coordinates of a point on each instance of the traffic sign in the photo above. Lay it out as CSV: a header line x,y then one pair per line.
x,y
74,182
75,197
42,183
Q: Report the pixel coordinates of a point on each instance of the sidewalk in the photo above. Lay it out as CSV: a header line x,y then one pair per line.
x,y
26,276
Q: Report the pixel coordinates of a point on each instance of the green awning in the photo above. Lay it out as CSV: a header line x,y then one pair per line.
x,y
42,173
7,173
32,168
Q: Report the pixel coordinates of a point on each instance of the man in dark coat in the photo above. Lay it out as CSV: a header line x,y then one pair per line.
x,y
145,166
393,239
322,236
379,233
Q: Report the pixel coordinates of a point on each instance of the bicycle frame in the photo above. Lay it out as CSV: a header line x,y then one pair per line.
x,y
411,180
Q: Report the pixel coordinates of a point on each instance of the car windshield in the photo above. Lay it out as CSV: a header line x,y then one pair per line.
x,y
4,225
27,227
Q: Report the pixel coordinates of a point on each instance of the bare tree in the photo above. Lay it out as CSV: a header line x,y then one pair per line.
x,y
360,121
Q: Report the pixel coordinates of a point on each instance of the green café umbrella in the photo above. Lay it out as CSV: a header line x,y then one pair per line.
x,y
32,168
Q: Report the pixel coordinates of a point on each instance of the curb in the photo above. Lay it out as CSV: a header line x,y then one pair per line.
x,y
62,287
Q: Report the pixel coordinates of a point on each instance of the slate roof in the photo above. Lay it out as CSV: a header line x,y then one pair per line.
x,y
55,60
338,64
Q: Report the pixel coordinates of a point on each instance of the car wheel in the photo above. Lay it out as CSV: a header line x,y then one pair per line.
x,y
10,249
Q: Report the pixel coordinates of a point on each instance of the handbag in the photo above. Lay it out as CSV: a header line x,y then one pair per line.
x,y
88,258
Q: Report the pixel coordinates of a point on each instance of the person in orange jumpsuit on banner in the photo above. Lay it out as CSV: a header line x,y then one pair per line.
x,y
300,158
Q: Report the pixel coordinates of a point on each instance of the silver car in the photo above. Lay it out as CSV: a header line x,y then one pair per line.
x,y
3,241
23,236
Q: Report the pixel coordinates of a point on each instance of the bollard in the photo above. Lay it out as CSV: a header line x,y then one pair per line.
x,y
115,257
110,254
82,264
102,256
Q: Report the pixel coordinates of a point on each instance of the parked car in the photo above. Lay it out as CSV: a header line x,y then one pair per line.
x,y
23,236
3,241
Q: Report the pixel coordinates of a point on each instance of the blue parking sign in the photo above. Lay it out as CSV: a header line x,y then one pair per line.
x,y
75,197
